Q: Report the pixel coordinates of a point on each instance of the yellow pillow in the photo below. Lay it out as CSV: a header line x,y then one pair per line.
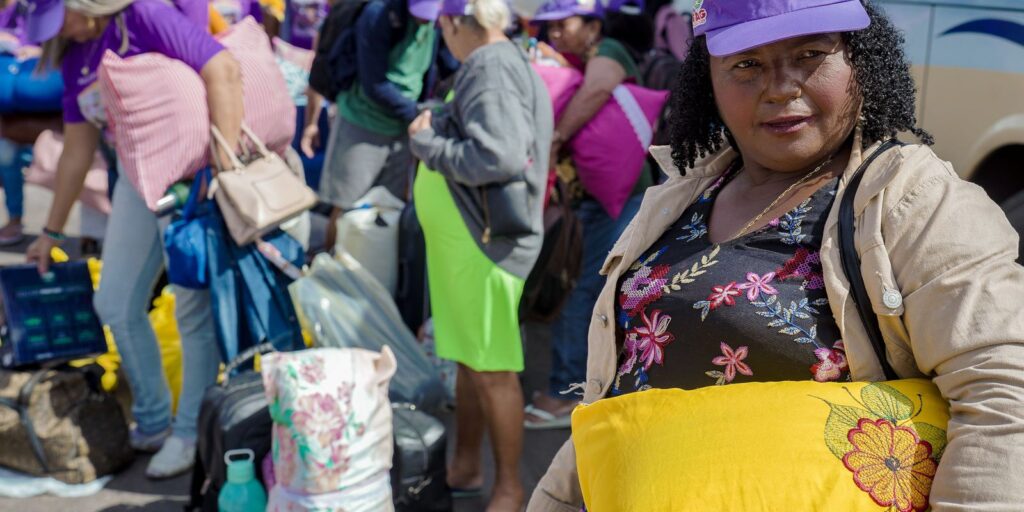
x,y
786,446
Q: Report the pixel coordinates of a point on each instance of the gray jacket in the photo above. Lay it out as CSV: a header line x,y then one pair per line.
x,y
496,131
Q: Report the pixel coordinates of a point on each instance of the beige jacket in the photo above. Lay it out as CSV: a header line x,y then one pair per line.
x,y
950,253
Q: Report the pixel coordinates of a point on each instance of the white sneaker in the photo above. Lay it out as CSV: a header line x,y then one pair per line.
x,y
149,443
175,458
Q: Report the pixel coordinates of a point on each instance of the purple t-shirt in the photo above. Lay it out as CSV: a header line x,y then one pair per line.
x,y
152,26
234,11
195,10
303,19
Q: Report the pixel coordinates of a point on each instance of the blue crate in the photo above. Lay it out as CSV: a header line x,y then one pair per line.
x,y
50,317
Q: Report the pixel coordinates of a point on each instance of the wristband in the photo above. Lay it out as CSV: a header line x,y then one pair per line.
x,y
56,236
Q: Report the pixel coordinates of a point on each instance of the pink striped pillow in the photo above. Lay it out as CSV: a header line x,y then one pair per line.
x,y
157,109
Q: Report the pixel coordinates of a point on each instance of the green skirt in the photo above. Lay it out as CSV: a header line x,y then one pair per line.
x,y
475,303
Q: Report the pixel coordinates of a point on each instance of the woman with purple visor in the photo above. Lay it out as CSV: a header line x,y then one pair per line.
x,y
75,34
578,32
777,106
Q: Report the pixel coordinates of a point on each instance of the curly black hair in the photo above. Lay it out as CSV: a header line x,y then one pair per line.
x,y
881,71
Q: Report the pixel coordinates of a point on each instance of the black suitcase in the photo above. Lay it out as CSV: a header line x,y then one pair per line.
x,y
233,415
411,293
419,470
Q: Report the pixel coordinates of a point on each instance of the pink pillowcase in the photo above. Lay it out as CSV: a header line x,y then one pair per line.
x,y
158,115
610,150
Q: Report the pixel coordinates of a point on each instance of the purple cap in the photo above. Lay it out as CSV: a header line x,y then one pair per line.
x,y
631,7
455,8
43,19
733,26
426,10
555,10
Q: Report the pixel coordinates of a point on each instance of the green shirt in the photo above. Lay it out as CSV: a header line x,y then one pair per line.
x,y
408,62
614,50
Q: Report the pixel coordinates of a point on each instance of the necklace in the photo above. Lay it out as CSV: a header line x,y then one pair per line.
x,y
807,177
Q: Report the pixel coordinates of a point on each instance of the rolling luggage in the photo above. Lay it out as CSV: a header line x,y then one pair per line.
x,y
233,415
418,471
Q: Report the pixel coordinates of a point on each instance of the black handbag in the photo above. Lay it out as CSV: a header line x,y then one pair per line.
x,y
851,261
419,471
507,210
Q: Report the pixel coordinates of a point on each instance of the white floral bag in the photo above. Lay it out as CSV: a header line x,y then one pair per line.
x,y
332,434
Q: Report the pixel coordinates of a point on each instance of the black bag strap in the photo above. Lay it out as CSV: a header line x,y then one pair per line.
x,y
851,261
246,356
21,405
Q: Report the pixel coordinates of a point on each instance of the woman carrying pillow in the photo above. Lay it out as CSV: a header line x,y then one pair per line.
x,y
778,104
77,33
575,29
489,148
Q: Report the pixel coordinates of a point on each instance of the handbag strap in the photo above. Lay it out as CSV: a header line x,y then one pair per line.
x,y
216,138
21,405
851,261
246,356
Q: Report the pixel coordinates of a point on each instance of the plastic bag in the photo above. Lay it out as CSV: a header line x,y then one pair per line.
x,y
342,305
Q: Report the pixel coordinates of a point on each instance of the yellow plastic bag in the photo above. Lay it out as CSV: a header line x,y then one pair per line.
x,y
792,446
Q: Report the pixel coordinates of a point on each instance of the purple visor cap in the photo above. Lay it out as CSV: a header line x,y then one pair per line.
x,y
631,7
426,10
555,10
734,26
43,19
455,8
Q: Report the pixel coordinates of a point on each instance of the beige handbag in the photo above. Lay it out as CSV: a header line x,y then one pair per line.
x,y
257,197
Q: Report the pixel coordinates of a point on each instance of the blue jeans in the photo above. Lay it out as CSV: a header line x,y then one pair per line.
x,y
133,257
569,333
13,159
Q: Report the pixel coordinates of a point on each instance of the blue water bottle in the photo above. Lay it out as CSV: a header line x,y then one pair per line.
x,y
242,492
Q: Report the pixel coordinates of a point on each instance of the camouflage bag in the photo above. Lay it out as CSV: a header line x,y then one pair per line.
x,y
61,424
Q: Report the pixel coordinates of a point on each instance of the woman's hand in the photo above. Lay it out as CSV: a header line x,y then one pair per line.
x,y
422,122
310,140
28,52
39,253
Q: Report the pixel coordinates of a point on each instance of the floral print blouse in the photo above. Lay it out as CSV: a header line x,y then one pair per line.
x,y
754,309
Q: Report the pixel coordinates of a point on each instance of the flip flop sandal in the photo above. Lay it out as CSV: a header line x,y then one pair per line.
x,y
465,494
547,421
14,238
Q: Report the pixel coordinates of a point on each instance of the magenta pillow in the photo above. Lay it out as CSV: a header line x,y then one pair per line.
x,y
157,109
625,124
562,84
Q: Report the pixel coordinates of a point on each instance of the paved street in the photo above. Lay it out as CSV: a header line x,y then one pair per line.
x,y
131,491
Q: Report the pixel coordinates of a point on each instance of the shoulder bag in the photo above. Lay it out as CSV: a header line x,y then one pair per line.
x,y
257,197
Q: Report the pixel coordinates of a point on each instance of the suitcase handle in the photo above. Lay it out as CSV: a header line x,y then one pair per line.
x,y
247,355
424,481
